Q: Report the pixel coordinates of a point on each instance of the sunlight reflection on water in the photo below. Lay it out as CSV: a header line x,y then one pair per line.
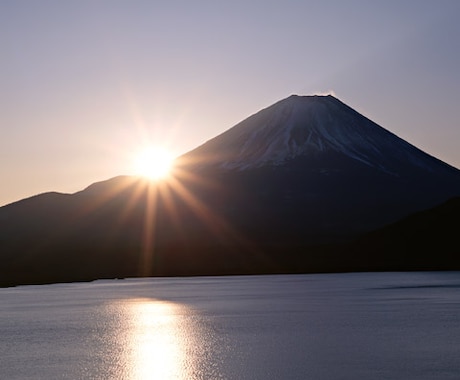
x,y
157,341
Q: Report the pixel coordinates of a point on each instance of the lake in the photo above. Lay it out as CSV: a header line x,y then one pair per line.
x,y
325,326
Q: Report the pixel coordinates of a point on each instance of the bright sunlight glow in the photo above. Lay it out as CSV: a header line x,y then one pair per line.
x,y
153,163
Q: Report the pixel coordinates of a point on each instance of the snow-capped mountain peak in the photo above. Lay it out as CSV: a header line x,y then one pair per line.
x,y
308,126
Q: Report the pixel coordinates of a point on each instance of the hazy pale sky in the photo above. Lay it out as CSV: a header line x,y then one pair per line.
x,y
85,84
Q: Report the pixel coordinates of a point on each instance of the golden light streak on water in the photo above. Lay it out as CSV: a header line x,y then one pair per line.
x,y
157,341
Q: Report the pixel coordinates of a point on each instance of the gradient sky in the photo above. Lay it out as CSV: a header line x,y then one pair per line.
x,y
85,84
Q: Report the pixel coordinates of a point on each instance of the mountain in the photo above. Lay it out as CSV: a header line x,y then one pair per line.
x,y
291,188
323,169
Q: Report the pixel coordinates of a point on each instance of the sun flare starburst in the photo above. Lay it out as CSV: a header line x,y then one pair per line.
x,y
153,163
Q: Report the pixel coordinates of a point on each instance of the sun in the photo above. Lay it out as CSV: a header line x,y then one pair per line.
x,y
153,162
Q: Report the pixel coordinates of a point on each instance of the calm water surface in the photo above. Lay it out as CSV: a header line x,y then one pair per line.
x,y
334,326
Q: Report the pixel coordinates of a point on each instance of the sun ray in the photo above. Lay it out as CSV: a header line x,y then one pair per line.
x,y
170,207
149,230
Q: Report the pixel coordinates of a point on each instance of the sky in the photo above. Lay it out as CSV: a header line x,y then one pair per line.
x,y
85,84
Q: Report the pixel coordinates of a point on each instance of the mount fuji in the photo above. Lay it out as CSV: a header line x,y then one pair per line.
x,y
290,189
313,165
